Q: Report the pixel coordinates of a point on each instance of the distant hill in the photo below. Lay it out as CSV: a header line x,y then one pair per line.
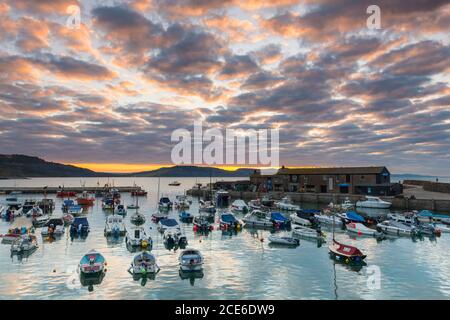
x,y
193,171
21,166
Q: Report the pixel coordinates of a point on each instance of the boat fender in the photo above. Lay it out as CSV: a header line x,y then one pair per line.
x,y
347,260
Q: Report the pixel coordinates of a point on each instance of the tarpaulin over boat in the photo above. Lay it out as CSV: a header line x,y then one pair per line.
x,y
277,216
169,222
351,215
81,221
226,217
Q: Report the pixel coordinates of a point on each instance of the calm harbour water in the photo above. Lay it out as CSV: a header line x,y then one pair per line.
x,y
237,267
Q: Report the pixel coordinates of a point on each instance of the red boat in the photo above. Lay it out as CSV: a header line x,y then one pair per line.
x,y
85,199
346,252
66,194
139,193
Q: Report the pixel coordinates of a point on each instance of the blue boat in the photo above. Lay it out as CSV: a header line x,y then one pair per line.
x,y
67,204
428,216
229,221
186,217
352,216
165,224
80,226
279,219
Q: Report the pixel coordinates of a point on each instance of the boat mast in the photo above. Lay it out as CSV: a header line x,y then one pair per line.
x,y
157,199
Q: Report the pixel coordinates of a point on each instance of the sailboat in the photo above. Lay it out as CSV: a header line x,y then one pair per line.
x,y
344,252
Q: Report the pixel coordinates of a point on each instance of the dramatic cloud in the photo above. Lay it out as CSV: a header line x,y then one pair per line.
x,y
115,87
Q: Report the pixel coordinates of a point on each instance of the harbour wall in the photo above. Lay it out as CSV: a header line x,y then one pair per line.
x,y
50,190
430,186
326,198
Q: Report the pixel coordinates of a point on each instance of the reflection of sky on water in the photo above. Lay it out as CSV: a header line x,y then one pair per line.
x,y
236,267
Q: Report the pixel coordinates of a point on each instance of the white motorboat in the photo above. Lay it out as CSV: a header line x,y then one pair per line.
x,y
144,263
444,228
257,219
373,202
13,201
26,243
208,207
299,220
347,204
328,219
53,227
191,260
239,206
301,231
360,229
137,218
403,218
284,240
75,210
181,202
255,204
40,221
114,226
167,223
136,237
287,205
92,264
396,228
174,237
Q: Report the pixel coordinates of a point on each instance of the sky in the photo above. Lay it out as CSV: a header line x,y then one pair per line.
x,y
108,94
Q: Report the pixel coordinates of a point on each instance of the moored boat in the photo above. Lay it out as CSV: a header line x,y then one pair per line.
x,y
53,227
328,219
284,240
40,221
181,202
351,216
229,222
114,226
92,264
167,223
287,205
86,199
165,203
144,263
191,260
120,210
360,229
239,206
394,227
222,198
403,218
66,194
137,237
301,231
24,244
186,217
202,224
345,252
257,219
174,184
373,202
79,227
137,218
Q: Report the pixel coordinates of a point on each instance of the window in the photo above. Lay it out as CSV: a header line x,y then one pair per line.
x,y
294,178
347,178
362,177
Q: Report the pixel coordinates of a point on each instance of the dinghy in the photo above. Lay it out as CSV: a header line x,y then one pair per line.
x,y
284,240
191,260
40,221
239,206
394,227
186,217
345,252
137,218
328,219
92,264
287,205
114,226
165,224
144,263
360,229
136,237
306,232
53,227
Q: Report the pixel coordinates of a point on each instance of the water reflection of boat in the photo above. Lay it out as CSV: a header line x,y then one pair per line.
x,y
373,212
191,275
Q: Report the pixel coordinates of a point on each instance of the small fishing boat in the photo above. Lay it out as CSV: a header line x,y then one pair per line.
x,y
279,220
328,219
427,229
24,244
86,199
351,216
301,231
403,218
137,237
304,217
373,202
229,221
132,207
239,206
186,217
120,210
53,227
40,221
287,205
92,264
157,216
75,210
114,226
108,204
191,260
289,241
164,224
345,252
79,227
207,206
144,263
428,216
137,218
66,194
15,233
139,193
165,203
67,204
360,229
222,198
68,219
35,212
202,224
174,184
174,237
181,202
394,227
257,219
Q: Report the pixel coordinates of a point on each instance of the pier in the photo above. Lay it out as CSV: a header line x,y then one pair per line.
x,y
51,190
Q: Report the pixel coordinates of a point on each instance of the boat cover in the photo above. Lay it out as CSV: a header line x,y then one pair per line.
x,y
169,222
351,215
185,215
228,218
68,203
81,221
277,216
55,222
146,257
425,213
